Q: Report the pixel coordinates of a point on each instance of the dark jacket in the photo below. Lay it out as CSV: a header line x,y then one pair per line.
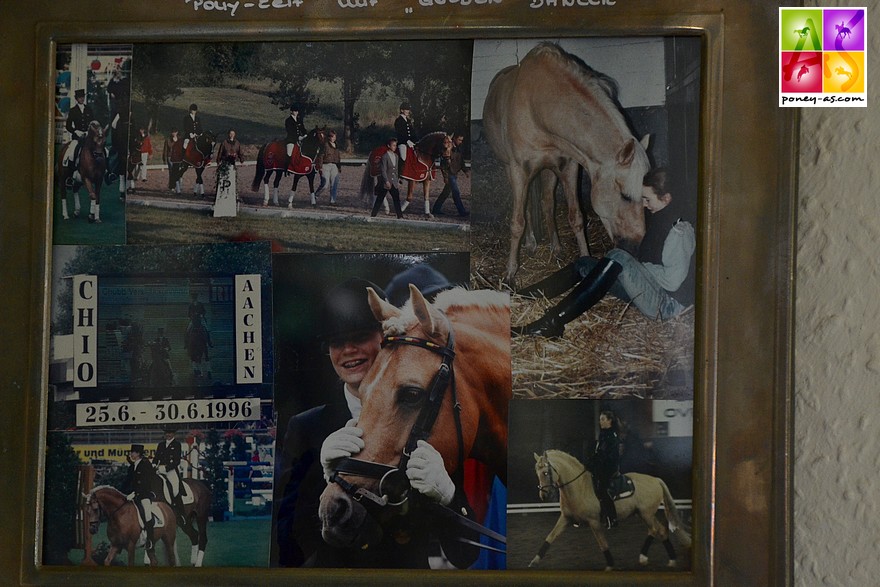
x,y
404,130
143,480
168,454
78,121
191,128
295,129
605,462
657,227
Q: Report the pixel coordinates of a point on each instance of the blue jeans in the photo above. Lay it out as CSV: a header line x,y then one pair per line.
x,y
451,186
635,284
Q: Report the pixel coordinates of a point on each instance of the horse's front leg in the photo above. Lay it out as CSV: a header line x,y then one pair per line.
x,y
602,540
94,202
569,176
548,201
311,178
426,187
292,192
111,554
409,196
518,181
558,529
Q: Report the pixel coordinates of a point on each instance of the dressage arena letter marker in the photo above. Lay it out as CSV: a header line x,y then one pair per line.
x,y
85,330
249,334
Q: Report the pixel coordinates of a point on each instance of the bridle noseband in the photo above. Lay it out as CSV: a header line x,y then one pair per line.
x,y
393,483
556,485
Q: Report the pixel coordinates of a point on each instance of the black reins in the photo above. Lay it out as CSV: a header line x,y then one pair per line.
x,y
558,485
394,485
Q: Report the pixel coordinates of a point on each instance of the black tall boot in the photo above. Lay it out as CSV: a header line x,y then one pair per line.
x,y
556,284
583,297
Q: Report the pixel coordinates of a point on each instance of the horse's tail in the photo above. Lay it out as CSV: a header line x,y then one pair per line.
x,y
367,184
261,170
675,524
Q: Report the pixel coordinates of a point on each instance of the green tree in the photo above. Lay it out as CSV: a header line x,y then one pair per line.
x,y
160,72
215,472
62,498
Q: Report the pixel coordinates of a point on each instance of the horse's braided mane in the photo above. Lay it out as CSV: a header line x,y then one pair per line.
x,y
577,66
449,302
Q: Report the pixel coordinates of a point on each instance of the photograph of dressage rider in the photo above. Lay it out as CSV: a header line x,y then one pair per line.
x,y
317,438
605,464
142,486
167,462
659,281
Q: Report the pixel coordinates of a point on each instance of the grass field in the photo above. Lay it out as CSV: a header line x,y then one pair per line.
x,y
153,225
241,543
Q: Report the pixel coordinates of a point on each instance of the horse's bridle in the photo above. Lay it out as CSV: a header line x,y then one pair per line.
x,y
393,483
557,485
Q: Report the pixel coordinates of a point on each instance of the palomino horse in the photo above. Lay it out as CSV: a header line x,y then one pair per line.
x,y
559,471
195,515
90,172
197,155
123,528
540,134
460,410
272,157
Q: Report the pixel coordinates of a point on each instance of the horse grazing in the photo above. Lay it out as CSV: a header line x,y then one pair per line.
x,y
197,155
559,471
460,409
89,172
196,496
123,527
548,135
272,157
196,340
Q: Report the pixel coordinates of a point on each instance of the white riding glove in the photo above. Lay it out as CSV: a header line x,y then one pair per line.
x,y
130,496
343,443
162,469
410,144
428,475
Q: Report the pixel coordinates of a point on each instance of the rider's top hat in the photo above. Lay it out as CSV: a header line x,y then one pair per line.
x,y
429,281
294,107
138,448
405,106
79,94
347,311
193,106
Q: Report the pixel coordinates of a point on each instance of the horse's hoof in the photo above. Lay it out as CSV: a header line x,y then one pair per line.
x,y
91,218
672,563
290,206
609,568
643,560
76,214
429,216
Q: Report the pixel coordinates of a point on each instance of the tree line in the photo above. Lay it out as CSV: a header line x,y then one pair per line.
x,y
433,76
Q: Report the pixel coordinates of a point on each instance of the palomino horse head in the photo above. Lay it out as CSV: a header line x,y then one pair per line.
x,y
548,485
413,373
616,193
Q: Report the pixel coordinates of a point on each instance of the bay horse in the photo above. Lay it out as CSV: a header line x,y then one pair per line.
x,y
272,158
197,154
559,471
195,514
537,134
133,161
89,172
460,410
123,527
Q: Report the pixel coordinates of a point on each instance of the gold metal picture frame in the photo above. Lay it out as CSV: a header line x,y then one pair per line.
x,y
747,174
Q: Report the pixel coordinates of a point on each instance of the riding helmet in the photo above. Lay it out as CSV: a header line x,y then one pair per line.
x,y
346,310
193,106
429,281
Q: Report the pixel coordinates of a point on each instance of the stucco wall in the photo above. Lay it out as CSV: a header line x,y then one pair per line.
x,y
837,352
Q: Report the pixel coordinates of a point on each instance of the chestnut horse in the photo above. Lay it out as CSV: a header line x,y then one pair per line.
x,y
546,117
303,162
460,409
195,515
91,167
418,168
123,527
559,471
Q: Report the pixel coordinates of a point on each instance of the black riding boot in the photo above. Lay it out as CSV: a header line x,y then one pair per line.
x,y
583,297
148,528
556,284
608,512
